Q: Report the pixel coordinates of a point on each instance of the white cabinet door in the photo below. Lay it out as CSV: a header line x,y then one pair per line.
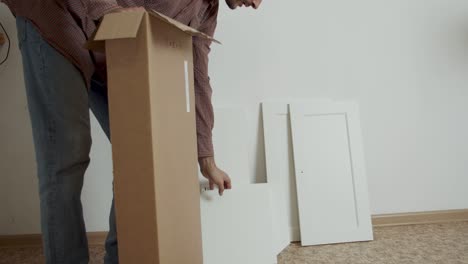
x,y
330,173
237,226
280,169
280,173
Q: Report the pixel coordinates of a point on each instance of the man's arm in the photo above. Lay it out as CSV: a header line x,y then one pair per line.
x,y
203,92
204,109
205,118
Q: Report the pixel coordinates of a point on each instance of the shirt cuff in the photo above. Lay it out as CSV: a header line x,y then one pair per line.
x,y
205,147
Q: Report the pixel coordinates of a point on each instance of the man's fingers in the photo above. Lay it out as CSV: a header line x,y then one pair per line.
x,y
221,187
211,185
227,183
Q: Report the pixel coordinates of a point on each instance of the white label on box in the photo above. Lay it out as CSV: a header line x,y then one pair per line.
x,y
187,91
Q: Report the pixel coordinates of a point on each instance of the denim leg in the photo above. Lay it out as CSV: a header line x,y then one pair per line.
x,y
98,102
112,253
58,106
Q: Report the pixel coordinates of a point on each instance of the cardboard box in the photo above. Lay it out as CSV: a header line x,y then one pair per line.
x,y
153,132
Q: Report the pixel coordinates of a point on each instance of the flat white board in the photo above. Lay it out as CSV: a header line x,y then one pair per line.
x,y
330,173
229,143
236,227
280,168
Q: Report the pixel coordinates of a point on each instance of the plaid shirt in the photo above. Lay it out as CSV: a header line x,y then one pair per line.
x,y
68,24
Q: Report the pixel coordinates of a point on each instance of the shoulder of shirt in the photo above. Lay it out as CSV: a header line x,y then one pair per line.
x,y
209,17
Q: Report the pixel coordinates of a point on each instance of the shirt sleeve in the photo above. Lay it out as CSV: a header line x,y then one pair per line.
x,y
203,105
203,91
98,8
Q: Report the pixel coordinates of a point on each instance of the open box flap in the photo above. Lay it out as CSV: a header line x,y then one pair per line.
x,y
119,25
184,28
126,24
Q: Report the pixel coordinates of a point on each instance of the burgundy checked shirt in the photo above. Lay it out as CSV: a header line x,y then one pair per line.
x,y
68,24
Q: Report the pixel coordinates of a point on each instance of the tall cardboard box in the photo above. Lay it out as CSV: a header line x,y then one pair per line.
x,y
153,134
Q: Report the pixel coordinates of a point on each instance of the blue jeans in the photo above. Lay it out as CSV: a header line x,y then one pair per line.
x,y
59,103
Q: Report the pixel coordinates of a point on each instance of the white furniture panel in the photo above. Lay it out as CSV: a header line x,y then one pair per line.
x,y
237,226
280,169
330,173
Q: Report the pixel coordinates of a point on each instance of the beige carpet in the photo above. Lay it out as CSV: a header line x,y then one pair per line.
x,y
422,244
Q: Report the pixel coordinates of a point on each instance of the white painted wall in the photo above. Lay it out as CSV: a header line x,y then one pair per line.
x,y
405,62
18,191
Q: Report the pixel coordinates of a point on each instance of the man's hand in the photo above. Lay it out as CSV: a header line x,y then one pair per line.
x,y
214,174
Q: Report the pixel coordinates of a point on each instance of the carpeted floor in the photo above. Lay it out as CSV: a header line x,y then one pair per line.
x,y
418,244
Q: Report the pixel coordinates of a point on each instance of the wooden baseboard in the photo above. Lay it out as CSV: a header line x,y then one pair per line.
x,y
98,238
14,241
420,218
35,240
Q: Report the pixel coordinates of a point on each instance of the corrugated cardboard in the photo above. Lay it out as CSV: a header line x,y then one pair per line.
x,y
152,119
